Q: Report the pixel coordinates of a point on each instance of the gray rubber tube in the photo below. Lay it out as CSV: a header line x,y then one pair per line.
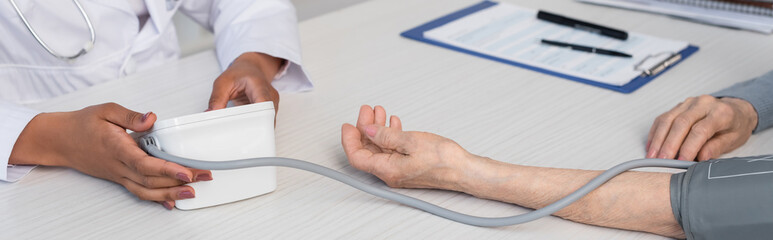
x,y
149,145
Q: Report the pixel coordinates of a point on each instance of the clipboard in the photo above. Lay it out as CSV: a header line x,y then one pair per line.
x,y
647,75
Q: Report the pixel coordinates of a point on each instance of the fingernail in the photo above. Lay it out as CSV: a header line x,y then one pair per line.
x,y
663,156
652,153
145,116
208,109
682,159
185,195
204,177
167,205
371,131
183,177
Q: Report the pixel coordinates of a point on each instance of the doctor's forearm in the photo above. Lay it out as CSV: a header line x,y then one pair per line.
x,y
267,64
633,200
32,144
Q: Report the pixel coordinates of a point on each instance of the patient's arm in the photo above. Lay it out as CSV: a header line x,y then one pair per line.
x,y
633,200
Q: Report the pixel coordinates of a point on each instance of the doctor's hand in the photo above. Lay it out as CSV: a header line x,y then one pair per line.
x,y
247,80
405,159
701,128
94,141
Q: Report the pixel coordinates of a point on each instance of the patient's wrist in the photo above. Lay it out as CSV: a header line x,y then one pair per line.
x,y
479,175
746,109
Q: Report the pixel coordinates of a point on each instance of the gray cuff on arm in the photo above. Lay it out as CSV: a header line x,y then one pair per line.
x,y
725,199
758,92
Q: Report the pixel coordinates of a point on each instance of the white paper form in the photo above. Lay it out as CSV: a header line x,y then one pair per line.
x,y
718,17
513,33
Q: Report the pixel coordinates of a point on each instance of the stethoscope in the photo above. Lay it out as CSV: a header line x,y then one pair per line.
x,y
89,45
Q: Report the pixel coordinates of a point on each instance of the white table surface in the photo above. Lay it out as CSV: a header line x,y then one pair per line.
x,y
355,57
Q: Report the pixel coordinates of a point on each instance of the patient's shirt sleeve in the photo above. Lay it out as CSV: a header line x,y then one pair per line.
x,y
758,92
13,119
725,198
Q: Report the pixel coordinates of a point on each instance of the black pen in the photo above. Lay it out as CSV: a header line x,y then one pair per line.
x,y
582,25
587,49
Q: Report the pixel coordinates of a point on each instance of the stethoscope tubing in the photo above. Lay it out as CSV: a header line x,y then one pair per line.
x,y
86,48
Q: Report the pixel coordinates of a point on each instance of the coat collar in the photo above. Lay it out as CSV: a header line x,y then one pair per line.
x,y
161,12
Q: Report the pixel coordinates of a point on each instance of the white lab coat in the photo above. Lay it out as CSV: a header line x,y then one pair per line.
x,y
29,74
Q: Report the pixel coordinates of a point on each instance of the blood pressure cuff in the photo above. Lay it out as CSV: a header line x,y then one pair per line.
x,y
725,198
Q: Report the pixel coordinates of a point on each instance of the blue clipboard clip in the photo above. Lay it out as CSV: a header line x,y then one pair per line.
x,y
648,73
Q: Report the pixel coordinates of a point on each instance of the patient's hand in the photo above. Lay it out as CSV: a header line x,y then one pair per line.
x,y
701,128
404,159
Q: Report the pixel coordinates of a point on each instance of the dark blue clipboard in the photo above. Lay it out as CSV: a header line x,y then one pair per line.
x,y
417,33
